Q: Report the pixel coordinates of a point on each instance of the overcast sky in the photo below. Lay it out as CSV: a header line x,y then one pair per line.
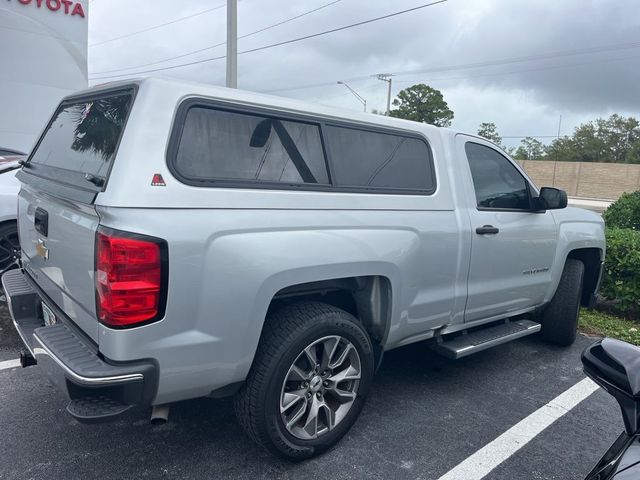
x,y
539,58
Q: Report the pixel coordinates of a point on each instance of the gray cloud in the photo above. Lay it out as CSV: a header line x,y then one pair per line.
x,y
521,97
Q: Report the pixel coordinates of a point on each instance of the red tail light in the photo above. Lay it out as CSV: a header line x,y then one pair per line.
x,y
130,277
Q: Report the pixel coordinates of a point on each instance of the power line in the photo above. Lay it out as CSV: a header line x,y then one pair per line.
x,y
221,43
532,136
512,72
316,85
369,88
603,60
286,42
567,65
545,56
634,57
306,37
621,46
158,26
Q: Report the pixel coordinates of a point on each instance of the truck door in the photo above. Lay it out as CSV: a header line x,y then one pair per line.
x,y
512,245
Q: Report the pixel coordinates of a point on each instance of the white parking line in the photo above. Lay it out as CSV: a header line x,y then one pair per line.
x,y
9,364
479,464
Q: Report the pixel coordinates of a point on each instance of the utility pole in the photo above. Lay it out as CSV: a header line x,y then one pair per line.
x,y
555,161
356,94
232,43
559,126
386,77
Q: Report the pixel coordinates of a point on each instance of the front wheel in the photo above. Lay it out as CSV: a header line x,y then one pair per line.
x,y
308,381
560,318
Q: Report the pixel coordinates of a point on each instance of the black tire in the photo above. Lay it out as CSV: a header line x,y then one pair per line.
x,y
286,334
9,246
559,319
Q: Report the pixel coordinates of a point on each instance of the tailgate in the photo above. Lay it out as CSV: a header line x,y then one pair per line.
x,y
57,240
57,220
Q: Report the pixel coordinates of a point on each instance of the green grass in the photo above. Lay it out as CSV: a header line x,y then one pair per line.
x,y
594,322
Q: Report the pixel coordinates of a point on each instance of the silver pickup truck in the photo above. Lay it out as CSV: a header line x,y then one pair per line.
x,y
182,240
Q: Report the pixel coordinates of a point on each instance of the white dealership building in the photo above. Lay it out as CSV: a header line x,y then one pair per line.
x,y
43,57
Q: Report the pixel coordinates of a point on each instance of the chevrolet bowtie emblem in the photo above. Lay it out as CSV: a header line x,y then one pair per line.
x,y
41,249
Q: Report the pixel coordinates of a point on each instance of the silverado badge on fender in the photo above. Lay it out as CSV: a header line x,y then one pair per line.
x,y
534,270
41,249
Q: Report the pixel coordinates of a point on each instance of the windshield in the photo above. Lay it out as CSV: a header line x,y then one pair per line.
x,y
83,136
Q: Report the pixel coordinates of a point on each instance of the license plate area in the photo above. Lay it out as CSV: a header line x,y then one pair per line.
x,y
48,317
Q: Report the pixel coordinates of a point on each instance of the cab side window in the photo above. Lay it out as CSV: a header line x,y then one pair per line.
x,y
498,184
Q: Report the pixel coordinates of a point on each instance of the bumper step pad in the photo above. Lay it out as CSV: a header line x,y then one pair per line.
x,y
22,303
96,409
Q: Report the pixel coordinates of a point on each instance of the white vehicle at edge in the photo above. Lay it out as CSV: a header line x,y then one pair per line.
x,y
9,188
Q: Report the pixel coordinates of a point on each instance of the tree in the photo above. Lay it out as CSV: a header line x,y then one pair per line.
x,y
563,150
615,139
530,149
422,103
519,153
489,131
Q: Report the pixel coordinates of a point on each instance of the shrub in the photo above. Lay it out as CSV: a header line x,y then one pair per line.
x,y
625,212
621,281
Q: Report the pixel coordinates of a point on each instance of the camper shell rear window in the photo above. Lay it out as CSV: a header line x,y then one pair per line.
x,y
81,140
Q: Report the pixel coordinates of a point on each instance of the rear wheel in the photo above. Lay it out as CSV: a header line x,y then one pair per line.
x,y
308,381
9,246
560,318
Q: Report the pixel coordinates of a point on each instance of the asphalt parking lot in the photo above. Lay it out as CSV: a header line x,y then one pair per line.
x,y
425,415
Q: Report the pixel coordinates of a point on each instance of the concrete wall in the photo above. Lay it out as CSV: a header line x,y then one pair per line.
x,y
585,179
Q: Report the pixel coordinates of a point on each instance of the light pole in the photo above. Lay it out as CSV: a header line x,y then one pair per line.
x,y
232,43
386,77
357,95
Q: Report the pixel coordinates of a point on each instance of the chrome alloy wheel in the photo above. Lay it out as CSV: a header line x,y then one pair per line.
x,y
320,387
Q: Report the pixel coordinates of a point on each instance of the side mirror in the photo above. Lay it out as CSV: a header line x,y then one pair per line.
x,y
261,134
615,366
552,198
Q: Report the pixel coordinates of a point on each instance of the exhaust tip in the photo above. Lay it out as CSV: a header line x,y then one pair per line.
x,y
159,414
26,359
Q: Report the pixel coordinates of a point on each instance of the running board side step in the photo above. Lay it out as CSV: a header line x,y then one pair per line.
x,y
462,345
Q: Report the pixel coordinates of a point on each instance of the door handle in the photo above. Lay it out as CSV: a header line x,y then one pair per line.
x,y
487,230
